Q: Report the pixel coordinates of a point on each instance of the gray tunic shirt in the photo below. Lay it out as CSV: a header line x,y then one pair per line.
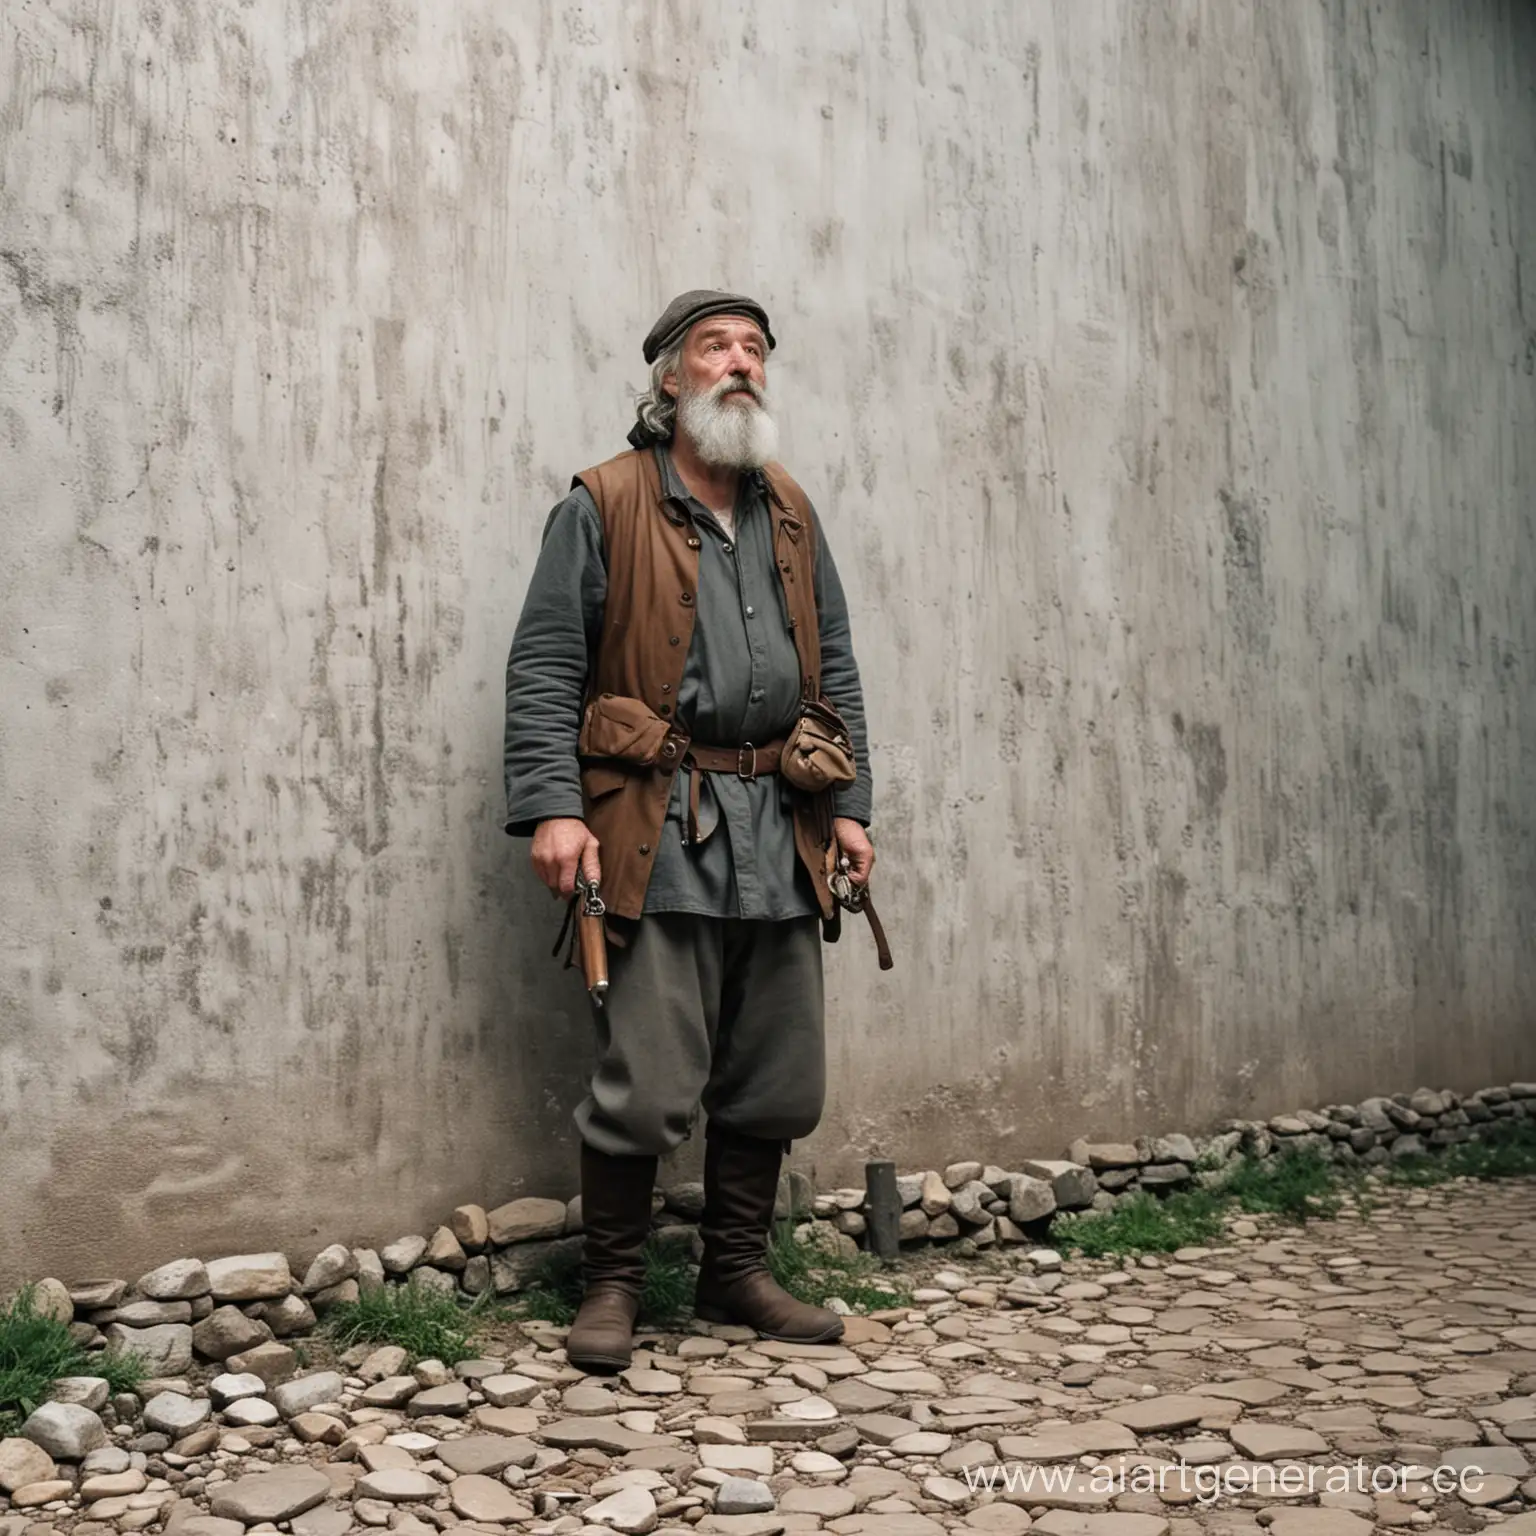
x,y
741,682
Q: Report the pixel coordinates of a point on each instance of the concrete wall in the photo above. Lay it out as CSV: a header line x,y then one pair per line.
x,y
1164,374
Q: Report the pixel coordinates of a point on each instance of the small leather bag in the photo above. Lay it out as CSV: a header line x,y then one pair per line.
x,y
818,752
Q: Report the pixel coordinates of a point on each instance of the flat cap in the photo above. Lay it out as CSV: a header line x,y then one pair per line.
x,y
698,304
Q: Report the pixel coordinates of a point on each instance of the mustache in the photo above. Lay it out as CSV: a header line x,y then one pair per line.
x,y
735,381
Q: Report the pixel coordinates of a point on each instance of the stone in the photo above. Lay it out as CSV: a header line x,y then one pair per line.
x,y
756,1460
1159,1175
113,1485
329,1267
743,1496
1072,1522
67,1431
228,1331
252,1413
271,1496
509,1390
631,1510
180,1280
1072,1185
346,1291
487,1455
403,1255
268,1362
95,1295
391,1392
404,1485
306,1392
23,1462
287,1316
1104,1154
444,1251
483,1498
520,1221
1322,1522
51,1298
1151,1414
470,1225
88,1391
317,1428
34,1495
451,1399
1268,1442
250,1277
1029,1199
147,1314
511,1268
594,1434
175,1415
322,1520
386,1360
370,1271
167,1349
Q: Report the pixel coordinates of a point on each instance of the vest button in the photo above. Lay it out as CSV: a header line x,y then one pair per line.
x,y
666,709
645,847
666,687
685,598
673,640
693,543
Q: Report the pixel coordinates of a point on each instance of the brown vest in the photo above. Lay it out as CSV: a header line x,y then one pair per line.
x,y
631,742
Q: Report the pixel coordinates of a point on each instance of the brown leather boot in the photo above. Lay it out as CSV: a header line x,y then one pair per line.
x,y
741,1179
616,1213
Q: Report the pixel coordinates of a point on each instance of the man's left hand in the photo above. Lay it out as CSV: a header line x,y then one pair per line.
x,y
855,843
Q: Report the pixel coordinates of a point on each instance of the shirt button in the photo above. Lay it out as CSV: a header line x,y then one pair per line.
x,y
757,695
726,548
750,611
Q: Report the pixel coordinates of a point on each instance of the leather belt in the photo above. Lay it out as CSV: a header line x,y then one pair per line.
x,y
747,762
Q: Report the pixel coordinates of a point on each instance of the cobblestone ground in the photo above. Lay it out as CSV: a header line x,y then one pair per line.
x,y
1263,1382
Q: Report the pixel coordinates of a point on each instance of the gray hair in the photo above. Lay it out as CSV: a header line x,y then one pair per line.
x,y
657,409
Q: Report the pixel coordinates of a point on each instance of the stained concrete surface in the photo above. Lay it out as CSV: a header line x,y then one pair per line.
x,y
1164,375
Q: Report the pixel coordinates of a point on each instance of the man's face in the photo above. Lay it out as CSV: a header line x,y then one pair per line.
x,y
721,394
719,348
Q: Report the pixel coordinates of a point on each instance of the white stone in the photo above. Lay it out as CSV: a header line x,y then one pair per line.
x,y
67,1431
250,1277
180,1280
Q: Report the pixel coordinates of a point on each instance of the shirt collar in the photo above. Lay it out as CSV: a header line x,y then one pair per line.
x,y
673,488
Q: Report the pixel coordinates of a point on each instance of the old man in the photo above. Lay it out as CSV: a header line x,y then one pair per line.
x,y
685,728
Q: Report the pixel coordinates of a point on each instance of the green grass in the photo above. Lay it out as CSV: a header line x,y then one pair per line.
x,y
1505,1151
816,1272
1143,1223
1295,1185
553,1292
426,1324
36,1350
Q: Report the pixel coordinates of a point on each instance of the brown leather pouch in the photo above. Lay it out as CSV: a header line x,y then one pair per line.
x,y
818,752
628,729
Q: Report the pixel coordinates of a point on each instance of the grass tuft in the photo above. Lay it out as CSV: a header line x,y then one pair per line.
x,y
36,1350
425,1323
1505,1151
1296,1185
553,1292
815,1271
1143,1223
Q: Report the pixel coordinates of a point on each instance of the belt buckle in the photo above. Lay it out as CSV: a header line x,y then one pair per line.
x,y
747,754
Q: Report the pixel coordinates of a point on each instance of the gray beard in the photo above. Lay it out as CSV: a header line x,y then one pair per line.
x,y
732,436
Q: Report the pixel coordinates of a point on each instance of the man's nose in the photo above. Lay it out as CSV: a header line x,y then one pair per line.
x,y
742,361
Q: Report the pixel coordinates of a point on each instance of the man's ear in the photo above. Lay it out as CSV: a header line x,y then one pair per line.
x,y
669,385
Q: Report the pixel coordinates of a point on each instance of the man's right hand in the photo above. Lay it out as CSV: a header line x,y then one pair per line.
x,y
559,845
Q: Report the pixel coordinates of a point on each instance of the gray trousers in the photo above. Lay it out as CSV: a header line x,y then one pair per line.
x,y
720,1013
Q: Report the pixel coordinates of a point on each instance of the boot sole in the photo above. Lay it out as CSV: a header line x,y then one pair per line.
x,y
599,1365
708,1314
